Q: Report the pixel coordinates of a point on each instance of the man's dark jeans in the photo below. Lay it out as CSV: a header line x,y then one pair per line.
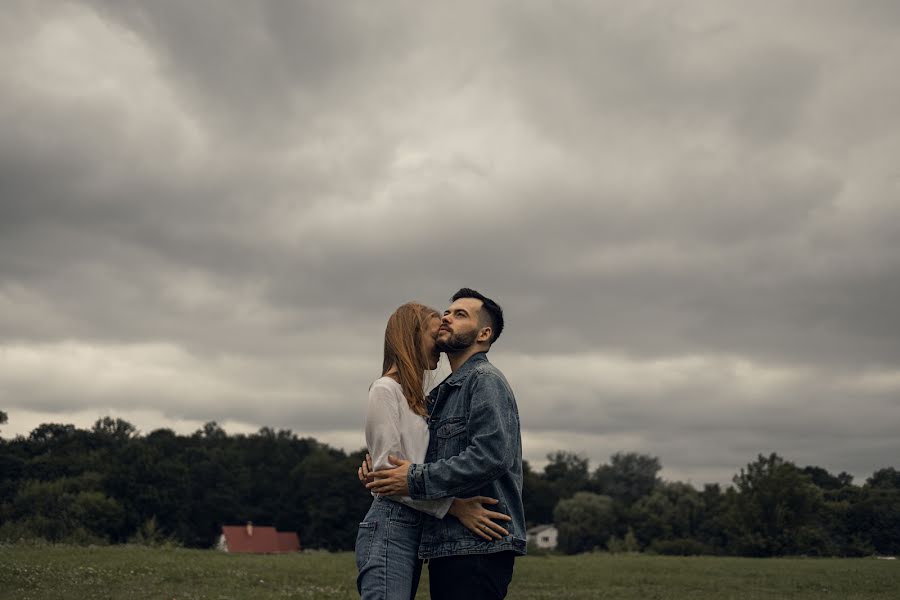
x,y
471,576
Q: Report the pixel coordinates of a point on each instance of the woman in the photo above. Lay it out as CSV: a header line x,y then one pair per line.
x,y
388,539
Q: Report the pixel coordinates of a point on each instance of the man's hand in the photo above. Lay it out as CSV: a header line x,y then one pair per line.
x,y
390,482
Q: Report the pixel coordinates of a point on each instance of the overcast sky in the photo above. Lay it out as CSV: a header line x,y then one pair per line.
x,y
690,212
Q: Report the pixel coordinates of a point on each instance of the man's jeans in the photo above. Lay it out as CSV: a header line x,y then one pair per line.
x,y
471,576
387,546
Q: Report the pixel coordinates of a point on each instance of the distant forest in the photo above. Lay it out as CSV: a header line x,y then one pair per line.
x,y
111,484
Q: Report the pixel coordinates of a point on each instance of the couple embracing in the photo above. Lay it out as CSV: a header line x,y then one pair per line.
x,y
438,462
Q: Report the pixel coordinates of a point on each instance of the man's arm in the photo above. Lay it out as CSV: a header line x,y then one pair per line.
x,y
492,425
471,512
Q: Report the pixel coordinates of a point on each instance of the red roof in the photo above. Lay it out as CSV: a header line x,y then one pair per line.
x,y
263,539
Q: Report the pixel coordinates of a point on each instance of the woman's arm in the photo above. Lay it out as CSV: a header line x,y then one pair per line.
x,y
383,439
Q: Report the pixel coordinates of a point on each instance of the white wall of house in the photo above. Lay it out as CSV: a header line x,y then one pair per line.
x,y
544,538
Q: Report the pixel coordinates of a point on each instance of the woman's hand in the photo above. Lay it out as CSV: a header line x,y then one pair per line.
x,y
477,519
365,470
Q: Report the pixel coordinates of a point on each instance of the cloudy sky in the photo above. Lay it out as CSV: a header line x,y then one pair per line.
x,y
689,211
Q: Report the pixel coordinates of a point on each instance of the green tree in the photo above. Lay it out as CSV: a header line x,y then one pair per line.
x,y
539,496
150,534
49,433
564,474
585,521
839,495
114,430
56,450
824,480
712,527
671,511
211,431
68,509
150,483
628,476
567,472
777,510
874,516
627,544
884,479
111,483
326,504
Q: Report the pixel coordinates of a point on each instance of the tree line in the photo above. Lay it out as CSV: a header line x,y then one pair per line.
x,y
773,508
111,484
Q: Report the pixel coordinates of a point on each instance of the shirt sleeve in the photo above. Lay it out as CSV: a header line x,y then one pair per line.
x,y
493,427
383,438
383,426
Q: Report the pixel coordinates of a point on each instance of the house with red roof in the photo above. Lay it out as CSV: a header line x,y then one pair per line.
x,y
259,540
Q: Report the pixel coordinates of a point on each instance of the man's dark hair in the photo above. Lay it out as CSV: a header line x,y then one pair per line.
x,y
491,311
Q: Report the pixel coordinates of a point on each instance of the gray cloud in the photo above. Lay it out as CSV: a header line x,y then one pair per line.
x,y
222,202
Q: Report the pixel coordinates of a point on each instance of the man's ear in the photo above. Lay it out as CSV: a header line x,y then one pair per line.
x,y
485,334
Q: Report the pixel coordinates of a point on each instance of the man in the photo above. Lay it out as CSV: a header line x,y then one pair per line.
x,y
475,449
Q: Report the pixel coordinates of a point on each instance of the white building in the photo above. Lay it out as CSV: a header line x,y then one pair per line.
x,y
543,536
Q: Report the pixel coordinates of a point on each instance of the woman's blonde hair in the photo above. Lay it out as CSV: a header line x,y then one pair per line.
x,y
403,350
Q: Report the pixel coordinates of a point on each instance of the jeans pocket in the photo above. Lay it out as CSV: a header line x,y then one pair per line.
x,y
405,516
364,538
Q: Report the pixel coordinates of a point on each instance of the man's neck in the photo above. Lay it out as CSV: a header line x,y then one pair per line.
x,y
458,359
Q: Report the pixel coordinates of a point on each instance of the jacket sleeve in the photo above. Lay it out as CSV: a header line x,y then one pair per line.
x,y
383,438
493,426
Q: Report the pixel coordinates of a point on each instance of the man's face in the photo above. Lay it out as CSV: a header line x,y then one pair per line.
x,y
459,325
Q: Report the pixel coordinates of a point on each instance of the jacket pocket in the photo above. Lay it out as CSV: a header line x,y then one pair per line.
x,y
451,427
451,437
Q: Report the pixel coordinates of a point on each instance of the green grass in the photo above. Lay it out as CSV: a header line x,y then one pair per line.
x,y
48,572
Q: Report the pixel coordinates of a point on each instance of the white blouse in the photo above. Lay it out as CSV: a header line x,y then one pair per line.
x,y
393,428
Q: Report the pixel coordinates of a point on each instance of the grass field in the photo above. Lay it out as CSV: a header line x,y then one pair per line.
x,y
47,572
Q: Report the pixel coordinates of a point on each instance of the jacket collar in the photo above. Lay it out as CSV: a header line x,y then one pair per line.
x,y
459,375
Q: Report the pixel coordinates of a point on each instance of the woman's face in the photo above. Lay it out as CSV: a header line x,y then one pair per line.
x,y
429,343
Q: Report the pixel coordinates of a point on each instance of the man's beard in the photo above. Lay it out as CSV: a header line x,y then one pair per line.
x,y
456,342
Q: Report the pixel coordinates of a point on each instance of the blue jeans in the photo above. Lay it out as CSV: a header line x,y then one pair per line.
x,y
387,551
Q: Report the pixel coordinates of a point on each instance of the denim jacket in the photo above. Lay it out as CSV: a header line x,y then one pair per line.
x,y
474,449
